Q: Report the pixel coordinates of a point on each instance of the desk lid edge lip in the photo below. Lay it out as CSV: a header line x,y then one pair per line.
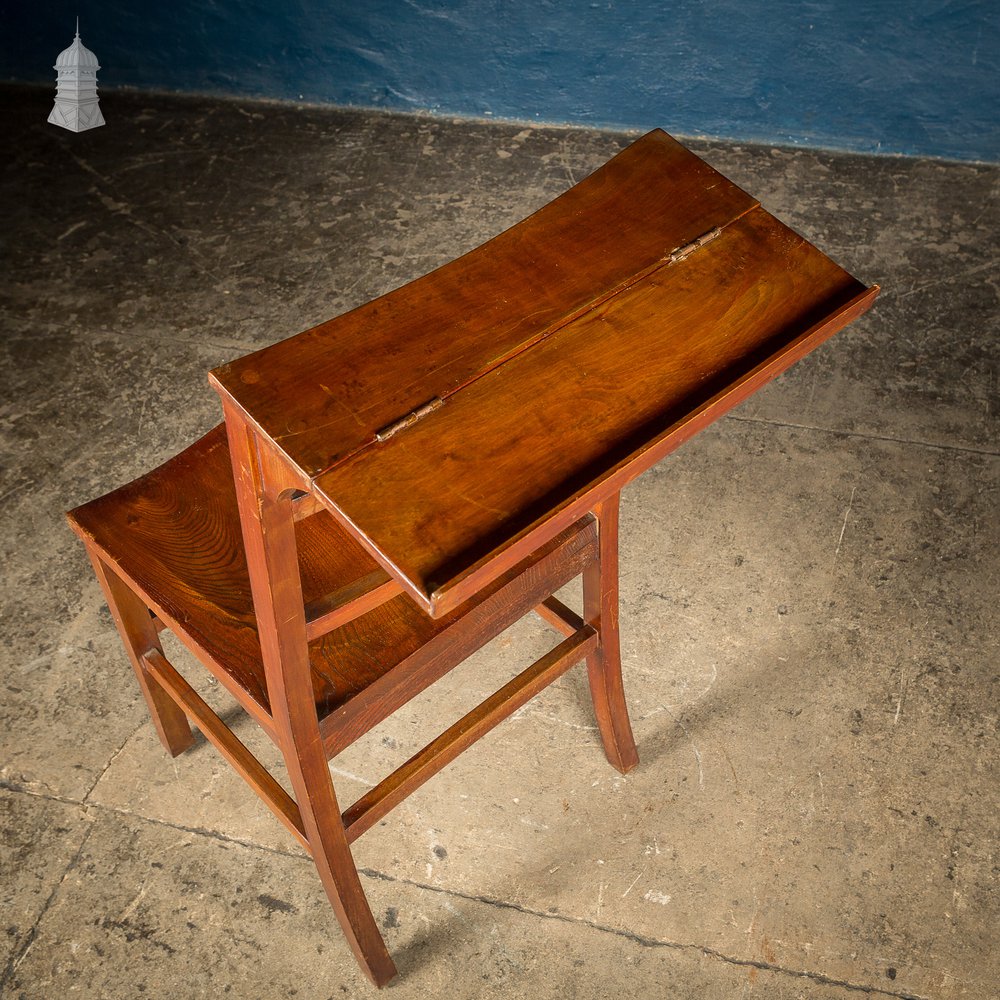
x,y
439,598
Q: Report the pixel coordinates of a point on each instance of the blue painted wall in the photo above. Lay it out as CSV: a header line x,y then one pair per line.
x,y
899,76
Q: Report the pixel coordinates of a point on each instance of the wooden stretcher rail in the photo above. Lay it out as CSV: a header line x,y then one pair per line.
x,y
229,745
513,596
555,613
389,792
349,602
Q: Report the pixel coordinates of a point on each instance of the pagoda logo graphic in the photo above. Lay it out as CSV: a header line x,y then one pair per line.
x,y
76,106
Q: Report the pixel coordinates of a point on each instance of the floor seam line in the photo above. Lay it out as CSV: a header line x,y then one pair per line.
x,y
967,449
118,811
12,786
486,900
107,767
200,831
22,953
182,339
647,942
185,341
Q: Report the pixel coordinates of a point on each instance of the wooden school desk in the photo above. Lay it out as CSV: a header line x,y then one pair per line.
x,y
455,451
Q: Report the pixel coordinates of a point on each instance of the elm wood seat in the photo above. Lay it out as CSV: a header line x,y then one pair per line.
x,y
174,534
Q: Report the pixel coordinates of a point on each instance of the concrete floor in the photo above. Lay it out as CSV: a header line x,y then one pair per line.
x,y
808,597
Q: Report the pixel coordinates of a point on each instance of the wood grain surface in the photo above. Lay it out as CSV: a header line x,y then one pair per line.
x,y
174,535
516,446
323,394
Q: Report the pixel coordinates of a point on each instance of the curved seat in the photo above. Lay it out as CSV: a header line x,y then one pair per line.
x,y
174,535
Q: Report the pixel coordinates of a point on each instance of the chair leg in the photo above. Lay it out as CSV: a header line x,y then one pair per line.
x,y
604,666
139,636
269,536
321,817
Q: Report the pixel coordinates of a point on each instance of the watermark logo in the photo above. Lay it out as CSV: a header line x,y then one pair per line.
x,y
76,106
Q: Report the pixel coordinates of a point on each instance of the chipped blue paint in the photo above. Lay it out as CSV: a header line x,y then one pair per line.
x,y
896,76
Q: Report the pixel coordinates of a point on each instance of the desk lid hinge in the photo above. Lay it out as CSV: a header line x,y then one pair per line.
x,y
411,418
681,252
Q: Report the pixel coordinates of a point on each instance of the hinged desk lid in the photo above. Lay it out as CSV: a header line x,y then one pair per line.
x,y
455,423
323,394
